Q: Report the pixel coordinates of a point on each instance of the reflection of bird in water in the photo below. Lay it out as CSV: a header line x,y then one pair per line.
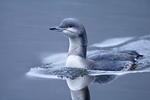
x,y
109,59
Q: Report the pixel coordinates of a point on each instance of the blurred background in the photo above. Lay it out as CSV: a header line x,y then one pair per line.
x,y
25,40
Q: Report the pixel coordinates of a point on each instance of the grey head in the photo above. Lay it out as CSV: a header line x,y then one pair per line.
x,y
76,33
72,28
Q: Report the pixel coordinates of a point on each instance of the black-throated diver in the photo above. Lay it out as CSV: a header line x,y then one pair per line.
x,y
76,33
110,61
76,57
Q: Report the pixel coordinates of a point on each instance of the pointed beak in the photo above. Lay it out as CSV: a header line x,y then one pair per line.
x,y
56,29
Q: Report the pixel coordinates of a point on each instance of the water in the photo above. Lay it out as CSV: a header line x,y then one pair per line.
x,y
54,67
25,40
73,73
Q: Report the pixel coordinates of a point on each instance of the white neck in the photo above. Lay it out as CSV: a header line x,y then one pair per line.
x,y
74,43
77,47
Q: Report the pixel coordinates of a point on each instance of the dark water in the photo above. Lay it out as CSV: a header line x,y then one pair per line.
x,y
25,39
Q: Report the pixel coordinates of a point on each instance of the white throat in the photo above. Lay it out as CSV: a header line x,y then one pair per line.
x,y
74,43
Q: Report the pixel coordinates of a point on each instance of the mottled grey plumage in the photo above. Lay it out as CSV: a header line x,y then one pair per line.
x,y
113,61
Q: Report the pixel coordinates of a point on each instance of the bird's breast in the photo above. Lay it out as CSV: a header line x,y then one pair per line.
x,y
75,61
80,82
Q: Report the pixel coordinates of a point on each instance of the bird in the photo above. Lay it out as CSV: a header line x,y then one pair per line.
x,y
108,59
76,34
98,63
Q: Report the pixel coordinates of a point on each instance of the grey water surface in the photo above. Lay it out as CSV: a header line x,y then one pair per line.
x,y
25,40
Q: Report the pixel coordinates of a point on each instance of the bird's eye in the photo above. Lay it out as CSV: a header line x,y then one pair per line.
x,y
70,26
